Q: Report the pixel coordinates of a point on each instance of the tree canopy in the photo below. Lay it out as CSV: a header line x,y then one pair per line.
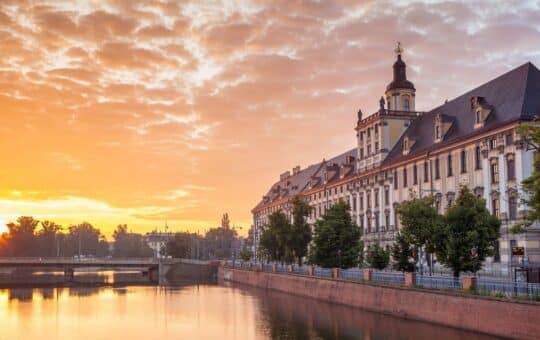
x,y
377,257
336,239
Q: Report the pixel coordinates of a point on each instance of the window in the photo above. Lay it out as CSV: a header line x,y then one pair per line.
x,y
354,204
463,161
376,129
376,147
395,180
509,139
511,167
361,153
361,221
377,221
368,199
450,165
494,172
492,144
386,195
426,169
362,202
437,172
387,220
404,177
406,104
376,197
495,207
478,117
369,150
369,132
415,175
362,136
497,253
437,132
512,207
477,158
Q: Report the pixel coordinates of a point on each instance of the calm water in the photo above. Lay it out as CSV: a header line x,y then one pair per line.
x,y
194,312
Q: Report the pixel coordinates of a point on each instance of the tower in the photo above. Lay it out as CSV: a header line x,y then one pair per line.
x,y
400,93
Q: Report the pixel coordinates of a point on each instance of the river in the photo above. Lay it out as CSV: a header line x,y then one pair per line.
x,y
195,312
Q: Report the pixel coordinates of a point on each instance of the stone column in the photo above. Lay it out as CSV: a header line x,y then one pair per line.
x,y
381,206
368,275
357,208
469,282
410,279
502,186
487,180
335,273
392,217
523,165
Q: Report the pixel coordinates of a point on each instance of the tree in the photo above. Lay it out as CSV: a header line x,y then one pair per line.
x,y
49,239
225,222
180,246
274,237
219,242
531,185
468,235
246,254
128,244
377,257
84,239
300,233
336,239
20,240
402,254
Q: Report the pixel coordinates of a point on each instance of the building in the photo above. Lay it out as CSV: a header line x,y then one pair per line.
x,y
470,140
157,241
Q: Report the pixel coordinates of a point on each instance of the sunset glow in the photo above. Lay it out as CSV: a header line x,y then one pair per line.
x,y
146,113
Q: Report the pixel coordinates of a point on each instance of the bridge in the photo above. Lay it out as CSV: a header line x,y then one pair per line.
x,y
152,267
148,266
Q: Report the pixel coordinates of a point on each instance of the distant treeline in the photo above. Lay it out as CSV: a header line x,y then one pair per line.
x,y
28,237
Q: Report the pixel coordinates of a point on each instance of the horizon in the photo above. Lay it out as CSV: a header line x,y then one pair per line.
x,y
151,114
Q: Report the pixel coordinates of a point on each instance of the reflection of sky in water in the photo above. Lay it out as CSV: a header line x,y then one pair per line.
x,y
193,312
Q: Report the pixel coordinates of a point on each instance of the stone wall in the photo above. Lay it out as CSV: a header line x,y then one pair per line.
x,y
487,315
194,271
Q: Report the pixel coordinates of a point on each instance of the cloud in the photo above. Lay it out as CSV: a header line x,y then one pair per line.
x,y
127,101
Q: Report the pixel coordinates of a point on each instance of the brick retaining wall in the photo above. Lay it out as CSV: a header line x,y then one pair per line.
x,y
487,315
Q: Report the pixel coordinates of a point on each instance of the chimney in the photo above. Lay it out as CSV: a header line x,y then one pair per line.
x,y
296,170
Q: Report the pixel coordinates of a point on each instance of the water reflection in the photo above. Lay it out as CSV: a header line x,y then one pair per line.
x,y
194,312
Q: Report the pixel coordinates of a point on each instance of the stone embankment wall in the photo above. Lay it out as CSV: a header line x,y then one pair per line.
x,y
481,314
197,271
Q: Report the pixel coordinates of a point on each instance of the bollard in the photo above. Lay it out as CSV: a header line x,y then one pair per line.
x,y
368,275
335,273
469,283
410,279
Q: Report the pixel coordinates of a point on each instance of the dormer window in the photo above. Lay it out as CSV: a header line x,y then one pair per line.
x,y
437,132
481,110
407,145
438,128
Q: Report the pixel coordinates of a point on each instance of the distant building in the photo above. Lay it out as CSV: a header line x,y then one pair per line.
x,y
158,241
471,140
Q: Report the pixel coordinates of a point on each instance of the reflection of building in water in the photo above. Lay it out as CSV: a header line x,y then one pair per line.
x,y
157,242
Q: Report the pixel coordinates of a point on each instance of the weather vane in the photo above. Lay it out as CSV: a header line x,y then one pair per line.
x,y
399,49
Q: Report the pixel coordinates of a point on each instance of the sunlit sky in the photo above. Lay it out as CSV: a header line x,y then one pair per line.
x,y
149,113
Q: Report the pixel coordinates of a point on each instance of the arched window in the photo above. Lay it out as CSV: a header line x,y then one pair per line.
x,y
406,103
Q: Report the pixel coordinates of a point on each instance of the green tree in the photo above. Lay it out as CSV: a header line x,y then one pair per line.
x,y
225,222
336,239
300,233
274,237
420,221
219,242
85,239
531,185
468,235
402,254
246,254
377,257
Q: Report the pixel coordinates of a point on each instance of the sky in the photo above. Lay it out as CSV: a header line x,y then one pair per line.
x,y
175,112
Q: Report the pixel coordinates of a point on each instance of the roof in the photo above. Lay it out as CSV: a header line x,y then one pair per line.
x,y
512,96
300,182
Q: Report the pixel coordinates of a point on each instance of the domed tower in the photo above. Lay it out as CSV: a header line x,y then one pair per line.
x,y
400,92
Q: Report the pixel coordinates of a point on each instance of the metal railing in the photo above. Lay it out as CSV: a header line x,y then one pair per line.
x,y
389,277
300,270
509,288
322,272
351,274
438,282
281,268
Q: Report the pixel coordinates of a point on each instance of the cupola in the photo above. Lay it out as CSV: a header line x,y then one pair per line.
x,y
400,93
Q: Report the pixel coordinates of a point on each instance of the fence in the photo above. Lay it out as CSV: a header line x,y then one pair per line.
x,y
389,277
482,285
351,274
508,287
438,282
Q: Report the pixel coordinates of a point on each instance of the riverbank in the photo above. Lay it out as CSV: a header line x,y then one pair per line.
x,y
505,318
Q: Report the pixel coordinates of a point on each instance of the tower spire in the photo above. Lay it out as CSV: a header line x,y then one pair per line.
x,y
398,50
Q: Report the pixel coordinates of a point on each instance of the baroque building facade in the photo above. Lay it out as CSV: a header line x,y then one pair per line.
x,y
402,153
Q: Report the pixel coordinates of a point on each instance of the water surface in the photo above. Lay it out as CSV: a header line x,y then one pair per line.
x,y
195,312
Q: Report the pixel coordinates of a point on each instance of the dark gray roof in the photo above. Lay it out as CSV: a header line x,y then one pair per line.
x,y
513,96
301,181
